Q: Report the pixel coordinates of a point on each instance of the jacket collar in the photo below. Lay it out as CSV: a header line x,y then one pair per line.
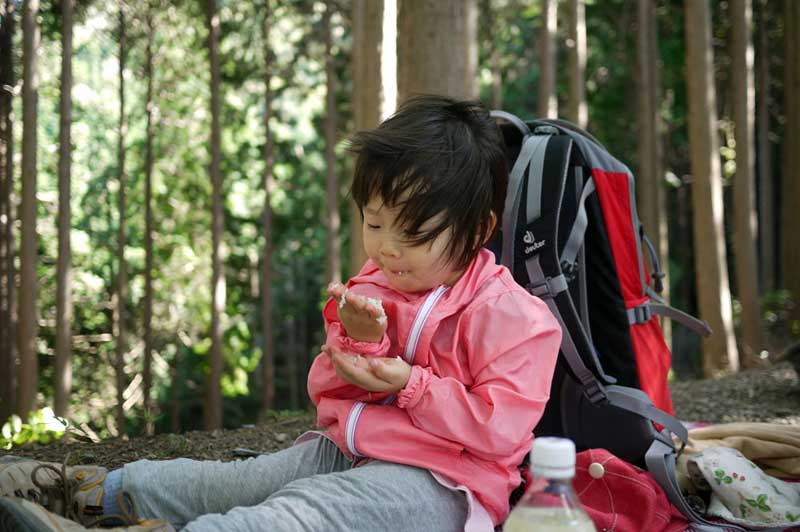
x,y
482,268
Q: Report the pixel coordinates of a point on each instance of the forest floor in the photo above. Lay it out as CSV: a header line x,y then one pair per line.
x,y
770,395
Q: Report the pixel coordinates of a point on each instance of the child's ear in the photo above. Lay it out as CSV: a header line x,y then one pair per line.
x,y
489,230
492,222
491,226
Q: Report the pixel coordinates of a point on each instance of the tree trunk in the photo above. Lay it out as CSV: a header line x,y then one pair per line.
x,y
268,358
62,379
577,110
213,413
744,222
8,351
147,371
766,222
292,353
548,102
434,61
174,396
306,346
368,93
651,193
28,320
121,274
333,220
684,286
719,350
790,196
488,15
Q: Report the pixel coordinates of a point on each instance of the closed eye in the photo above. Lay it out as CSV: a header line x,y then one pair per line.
x,y
371,226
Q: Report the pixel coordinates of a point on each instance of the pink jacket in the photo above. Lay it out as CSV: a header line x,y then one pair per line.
x,y
483,354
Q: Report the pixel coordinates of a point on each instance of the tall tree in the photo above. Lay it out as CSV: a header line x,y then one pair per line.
x,y
213,411
147,371
28,328
577,110
121,296
790,196
744,209
292,356
333,219
268,358
489,18
62,379
719,350
8,349
434,61
368,93
548,102
766,197
652,197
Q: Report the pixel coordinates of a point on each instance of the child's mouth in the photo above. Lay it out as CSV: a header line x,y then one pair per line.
x,y
398,273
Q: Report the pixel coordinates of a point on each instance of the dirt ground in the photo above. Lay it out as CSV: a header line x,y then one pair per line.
x,y
200,445
771,394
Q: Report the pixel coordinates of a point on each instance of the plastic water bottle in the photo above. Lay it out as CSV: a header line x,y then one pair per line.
x,y
550,503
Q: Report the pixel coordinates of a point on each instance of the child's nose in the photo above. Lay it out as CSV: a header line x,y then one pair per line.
x,y
389,248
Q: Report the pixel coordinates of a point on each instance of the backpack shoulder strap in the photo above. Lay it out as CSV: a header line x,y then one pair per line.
x,y
530,242
530,157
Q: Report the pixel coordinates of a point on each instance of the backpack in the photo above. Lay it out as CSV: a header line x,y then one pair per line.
x,y
570,234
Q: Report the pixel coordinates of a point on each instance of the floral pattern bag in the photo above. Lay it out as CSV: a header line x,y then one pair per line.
x,y
741,492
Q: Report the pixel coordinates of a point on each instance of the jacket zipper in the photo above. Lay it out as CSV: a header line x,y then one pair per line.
x,y
408,355
419,322
352,422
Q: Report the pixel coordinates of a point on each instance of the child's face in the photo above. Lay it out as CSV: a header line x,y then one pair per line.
x,y
409,268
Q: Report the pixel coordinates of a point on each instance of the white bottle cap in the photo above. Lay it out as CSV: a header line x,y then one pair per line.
x,y
553,458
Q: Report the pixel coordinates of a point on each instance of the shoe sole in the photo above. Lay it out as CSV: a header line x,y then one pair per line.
x,y
14,518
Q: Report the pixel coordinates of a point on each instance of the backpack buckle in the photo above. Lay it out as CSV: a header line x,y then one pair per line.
x,y
594,392
569,269
641,314
548,287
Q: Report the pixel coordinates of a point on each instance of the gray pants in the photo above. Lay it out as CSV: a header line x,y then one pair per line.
x,y
310,487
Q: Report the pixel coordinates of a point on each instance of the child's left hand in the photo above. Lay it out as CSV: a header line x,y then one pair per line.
x,y
381,374
362,319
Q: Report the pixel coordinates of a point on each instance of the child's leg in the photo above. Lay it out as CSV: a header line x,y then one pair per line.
x,y
181,490
377,496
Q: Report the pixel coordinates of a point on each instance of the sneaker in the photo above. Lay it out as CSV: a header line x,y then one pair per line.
x,y
74,492
21,515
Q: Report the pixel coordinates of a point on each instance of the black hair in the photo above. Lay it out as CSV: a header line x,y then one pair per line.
x,y
435,155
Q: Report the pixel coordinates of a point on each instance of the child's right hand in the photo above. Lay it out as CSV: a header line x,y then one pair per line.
x,y
359,318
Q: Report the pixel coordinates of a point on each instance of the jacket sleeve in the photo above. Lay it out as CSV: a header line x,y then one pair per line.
x,y
322,377
511,345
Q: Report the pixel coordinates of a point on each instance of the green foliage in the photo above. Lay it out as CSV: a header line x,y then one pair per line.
x,y
182,189
42,427
181,202
778,307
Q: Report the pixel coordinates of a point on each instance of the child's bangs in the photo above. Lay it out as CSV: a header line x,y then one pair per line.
x,y
410,190
413,192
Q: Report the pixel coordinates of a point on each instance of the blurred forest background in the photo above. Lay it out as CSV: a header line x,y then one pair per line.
x,y
174,178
